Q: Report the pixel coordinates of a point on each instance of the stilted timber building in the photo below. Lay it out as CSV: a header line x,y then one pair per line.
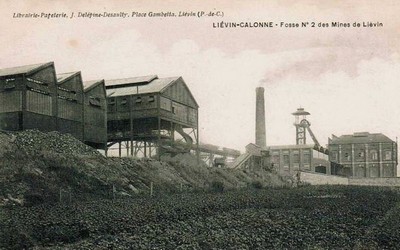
x,y
151,115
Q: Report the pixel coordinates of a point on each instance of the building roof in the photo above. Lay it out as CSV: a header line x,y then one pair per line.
x,y
300,111
360,137
294,146
155,86
88,85
130,81
23,69
65,76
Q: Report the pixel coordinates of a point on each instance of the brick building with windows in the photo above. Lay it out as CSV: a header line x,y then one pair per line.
x,y
363,155
289,159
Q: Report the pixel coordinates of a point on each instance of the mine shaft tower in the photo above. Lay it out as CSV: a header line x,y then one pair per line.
x,y
302,125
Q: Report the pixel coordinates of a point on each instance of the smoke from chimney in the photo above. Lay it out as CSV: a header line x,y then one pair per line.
x,y
260,118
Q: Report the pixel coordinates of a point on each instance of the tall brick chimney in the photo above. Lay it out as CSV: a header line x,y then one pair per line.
x,y
260,118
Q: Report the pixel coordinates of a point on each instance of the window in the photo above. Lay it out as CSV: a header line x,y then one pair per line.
x,y
10,84
388,155
138,100
111,104
307,158
124,101
111,101
151,98
38,91
346,156
373,155
285,160
275,159
296,158
95,101
360,155
173,110
36,81
334,156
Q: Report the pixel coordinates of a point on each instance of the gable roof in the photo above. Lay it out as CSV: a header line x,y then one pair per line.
x,y
65,76
24,69
143,85
155,86
360,137
115,83
88,85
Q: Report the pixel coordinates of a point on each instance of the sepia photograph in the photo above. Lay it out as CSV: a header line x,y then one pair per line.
x,y
265,124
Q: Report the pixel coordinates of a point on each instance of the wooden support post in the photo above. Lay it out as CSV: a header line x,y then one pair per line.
x,y
119,149
150,150
131,122
127,148
172,132
132,149
145,149
197,137
159,138
136,148
159,127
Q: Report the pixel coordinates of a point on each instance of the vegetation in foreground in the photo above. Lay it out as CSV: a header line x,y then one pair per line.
x,y
312,217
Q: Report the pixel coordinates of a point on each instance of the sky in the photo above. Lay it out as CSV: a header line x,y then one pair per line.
x,y
347,78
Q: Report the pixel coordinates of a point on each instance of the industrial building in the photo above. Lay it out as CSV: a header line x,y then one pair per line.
x,y
70,104
150,115
289,159
285,159
35,97
28,97
363,155
95,114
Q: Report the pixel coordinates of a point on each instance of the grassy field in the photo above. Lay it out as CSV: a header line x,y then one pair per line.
x,y
313,217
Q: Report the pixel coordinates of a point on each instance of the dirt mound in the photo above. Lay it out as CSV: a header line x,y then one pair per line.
x,y
40,167
34,141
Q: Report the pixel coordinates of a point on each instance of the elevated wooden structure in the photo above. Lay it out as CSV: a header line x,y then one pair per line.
x,y
148,115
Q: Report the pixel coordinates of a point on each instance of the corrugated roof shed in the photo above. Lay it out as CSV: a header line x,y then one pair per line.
x,y
64,76
130,81
155,86
88,85
363,137
23,69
